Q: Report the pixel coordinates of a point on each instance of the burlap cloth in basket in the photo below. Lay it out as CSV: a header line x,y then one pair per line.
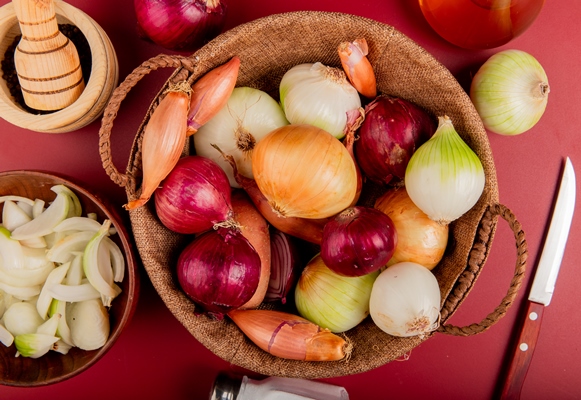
x,y
268,47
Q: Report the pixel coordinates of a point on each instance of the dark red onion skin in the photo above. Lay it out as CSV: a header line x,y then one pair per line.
x,y
392,131
219,271
182,25
358,241
194,196
285,266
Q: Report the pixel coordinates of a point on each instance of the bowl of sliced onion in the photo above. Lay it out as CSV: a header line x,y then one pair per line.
x,y
68,278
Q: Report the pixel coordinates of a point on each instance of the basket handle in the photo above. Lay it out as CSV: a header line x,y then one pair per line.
x,y
475,260
119,94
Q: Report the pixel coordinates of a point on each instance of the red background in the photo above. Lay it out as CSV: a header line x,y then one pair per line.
x,y
157,358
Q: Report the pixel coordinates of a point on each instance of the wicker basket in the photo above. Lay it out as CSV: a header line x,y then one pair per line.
x,y
268,47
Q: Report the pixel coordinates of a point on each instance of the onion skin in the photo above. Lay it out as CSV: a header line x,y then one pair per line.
x,y
419,239
358,241
182,25
305,172
510,91
194,197
307,229
357,67
210,94
289,336
332,301
254,227
164,139
285,265
219,271
392,131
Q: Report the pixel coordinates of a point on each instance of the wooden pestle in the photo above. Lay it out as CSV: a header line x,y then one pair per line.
x,y
46,61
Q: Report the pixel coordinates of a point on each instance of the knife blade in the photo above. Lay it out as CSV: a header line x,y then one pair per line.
x,y
543,286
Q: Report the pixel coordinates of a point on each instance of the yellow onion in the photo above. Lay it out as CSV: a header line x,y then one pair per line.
x,y
303,171
420,239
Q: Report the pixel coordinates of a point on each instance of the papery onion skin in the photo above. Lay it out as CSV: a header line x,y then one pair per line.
x,y
182,25
510,91
420,239
289,336
304,171
253,227
318,95
405,300
219,270
445,178
307,229
248,116
332,301
194,197
392,131
358,241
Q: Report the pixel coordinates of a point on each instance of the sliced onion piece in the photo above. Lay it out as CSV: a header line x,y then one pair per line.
x,y
13,216
91,264
6,338
22,293
63,331
62,251
34,345
55,277
78,224
75,208
26,277
117,259
10,251
46,221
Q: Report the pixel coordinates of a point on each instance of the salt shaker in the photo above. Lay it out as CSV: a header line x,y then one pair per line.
x,y
274,388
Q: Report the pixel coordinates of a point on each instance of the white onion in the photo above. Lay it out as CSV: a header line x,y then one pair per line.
x,y
405,300
318,95
444,177
510,92
248,116
330,300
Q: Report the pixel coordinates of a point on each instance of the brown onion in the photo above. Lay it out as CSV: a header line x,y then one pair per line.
x,y
304,171
253,227
358,241
219,271
419,239
392,131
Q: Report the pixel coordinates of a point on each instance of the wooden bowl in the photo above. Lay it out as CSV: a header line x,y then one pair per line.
x,y
103,80
55,367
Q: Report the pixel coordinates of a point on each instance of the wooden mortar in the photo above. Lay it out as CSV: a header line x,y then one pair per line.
x,y
47,62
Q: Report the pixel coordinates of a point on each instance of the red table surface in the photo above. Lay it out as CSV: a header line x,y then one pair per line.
x,y
157,358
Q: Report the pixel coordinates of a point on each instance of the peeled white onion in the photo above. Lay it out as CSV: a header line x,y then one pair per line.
x,y
247,117
510,92
405,300
319,95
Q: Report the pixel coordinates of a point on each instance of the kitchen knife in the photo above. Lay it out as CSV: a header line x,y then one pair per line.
x,y
543,285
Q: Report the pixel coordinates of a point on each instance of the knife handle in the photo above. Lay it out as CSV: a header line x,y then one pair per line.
x,y
522,352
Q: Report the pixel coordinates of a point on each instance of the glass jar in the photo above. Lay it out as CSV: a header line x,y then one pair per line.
x,y
480,24
274,388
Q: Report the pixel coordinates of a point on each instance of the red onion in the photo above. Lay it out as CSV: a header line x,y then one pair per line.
x,y
183,25
285,262
392,131
194,197
219,271
358,241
